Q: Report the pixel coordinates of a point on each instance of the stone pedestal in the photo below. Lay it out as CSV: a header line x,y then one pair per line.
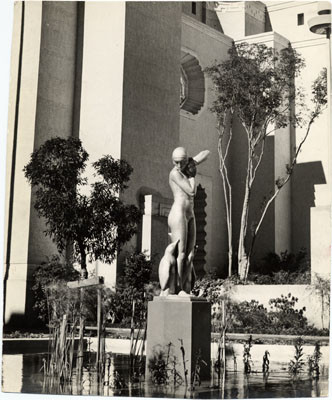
x,y
171,318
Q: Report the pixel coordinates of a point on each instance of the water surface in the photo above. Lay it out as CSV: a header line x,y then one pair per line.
x,y
22,373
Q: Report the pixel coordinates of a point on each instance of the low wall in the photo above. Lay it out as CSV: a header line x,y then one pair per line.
x,y
306,298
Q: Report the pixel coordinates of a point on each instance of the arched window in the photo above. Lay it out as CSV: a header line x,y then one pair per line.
x,y
192,84
183,87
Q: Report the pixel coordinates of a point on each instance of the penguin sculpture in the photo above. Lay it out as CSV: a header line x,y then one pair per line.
x,y
168,269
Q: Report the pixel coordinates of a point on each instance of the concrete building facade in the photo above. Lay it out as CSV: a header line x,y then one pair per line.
x,y
128,80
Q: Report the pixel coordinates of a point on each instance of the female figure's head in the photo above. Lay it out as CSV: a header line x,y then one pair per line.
x,y
180,158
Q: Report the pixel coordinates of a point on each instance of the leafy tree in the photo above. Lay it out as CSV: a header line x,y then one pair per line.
x,y
256,85
98,224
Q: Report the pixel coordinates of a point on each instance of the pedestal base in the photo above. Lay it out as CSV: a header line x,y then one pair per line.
x,y
172,318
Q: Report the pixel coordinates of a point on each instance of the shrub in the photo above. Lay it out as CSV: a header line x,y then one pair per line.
x,y
52,295
285,318
282,318
283,269
216,291
46,277
249,317
252,317
133,286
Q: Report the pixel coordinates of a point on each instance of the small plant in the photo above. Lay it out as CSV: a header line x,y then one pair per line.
x,y
177,378
234,362
296,366
158,367
247,356
313,361
196,374
118,381
185,370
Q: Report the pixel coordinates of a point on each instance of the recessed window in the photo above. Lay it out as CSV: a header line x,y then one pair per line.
x,y
300,19
192,84
193,7
183,87
204,12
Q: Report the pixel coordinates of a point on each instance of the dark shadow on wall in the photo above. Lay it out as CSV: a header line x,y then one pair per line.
x,y
268,25
200,216
29,318
262,186
262,189
304,179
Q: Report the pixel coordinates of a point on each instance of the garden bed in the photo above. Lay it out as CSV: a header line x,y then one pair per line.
x,y
124,333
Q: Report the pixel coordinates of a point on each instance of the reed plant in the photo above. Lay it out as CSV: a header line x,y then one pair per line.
x,y
296,366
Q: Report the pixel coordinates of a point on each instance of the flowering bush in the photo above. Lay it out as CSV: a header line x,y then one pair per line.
x,y
282,317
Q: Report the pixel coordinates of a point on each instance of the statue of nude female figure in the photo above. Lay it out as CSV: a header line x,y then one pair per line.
x,y
181,219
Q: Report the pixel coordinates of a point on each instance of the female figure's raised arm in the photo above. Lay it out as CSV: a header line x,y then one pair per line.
x,y
186,184
202,156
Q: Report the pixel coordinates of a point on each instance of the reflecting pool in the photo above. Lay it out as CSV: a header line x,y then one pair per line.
x,y
23,373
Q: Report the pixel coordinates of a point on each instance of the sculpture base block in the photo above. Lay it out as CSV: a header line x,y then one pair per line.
x,y
171,318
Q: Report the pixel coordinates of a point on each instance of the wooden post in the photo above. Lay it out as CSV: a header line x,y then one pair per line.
x,y
96,281
132,332
224,335
61,356
99,322
80,353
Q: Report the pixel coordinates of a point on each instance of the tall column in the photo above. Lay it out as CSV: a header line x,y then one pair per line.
x,y
41,106
100,125
21,130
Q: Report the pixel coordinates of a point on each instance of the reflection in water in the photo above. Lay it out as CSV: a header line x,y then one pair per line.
x,y
12,369
23,373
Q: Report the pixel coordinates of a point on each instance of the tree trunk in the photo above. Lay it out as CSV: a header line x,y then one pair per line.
x,y
230,258
227,190
84,272
243,261
323,311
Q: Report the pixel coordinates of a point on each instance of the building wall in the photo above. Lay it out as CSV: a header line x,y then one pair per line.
x,y
127,105
198,132
283,18
46,100
204,12
254,17
55,99
21,128
151,87
101,105
241,18
314,49
262,186
232,18
311,182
